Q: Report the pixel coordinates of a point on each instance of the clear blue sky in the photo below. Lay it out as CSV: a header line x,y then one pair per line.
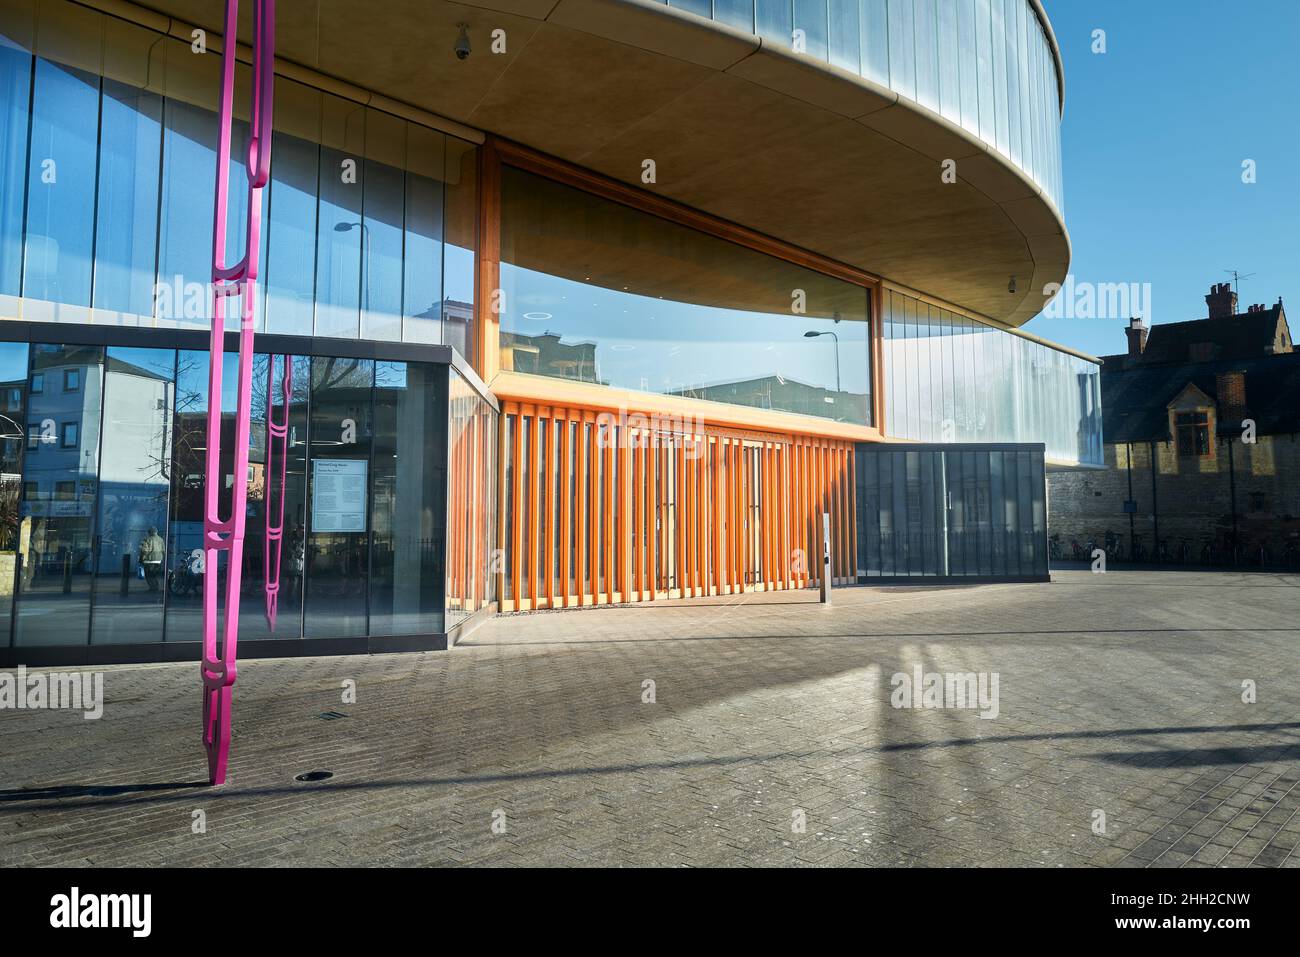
x,y
1155,133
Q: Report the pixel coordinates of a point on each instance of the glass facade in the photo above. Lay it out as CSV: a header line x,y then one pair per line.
x,y
102,488
952,379
975,511
107,156
598,292
985,65
472,559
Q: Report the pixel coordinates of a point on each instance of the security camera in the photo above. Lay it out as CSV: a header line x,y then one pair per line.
x,y
1011,286
462,43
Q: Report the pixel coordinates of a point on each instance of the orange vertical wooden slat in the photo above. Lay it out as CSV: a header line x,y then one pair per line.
x,y
738,515
533,506
607,516
580,508
783,529
626,515
701,515
566,505
680,515
688,517
503,431
594,515
715,457
546,532
516,495
661,514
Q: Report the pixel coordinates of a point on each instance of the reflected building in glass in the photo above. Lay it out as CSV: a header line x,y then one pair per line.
x,y
543,338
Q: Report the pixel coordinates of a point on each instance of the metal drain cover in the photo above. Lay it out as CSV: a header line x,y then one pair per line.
x,y
311,776
331,715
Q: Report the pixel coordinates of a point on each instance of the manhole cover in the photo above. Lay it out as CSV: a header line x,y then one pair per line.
x,y
331,715
310,776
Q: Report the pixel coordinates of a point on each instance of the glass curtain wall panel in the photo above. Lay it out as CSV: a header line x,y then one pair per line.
x,y
13,441
602,293
950,512
950,378
107,139
57,533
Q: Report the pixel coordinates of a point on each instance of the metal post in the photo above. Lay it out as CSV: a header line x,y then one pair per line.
x,y
826,559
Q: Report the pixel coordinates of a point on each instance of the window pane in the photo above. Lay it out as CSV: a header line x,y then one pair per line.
x,y
289,270
422,278
13,413
134,481
406,564
383,197
15,92
598,292
61,189
265,494
58,511
339,490
458,252
127,225
185,238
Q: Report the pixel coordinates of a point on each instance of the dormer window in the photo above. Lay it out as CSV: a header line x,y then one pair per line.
x,y
1193,433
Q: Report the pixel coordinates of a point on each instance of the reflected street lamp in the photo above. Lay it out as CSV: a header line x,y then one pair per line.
x,y
813,334
365,252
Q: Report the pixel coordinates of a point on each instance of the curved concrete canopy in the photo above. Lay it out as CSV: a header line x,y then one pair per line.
x,y
737,127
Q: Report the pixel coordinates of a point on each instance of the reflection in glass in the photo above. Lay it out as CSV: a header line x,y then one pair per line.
x,y
290,258
185,559
406,563
339,492
264,494
134,481
57,517
598,292
15,92
127,222
13,395
61,186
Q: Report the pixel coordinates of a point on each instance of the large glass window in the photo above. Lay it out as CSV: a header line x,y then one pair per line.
x,y
58,512
107,153
134,484
15,112
61,188
406,562
13,395
127,221
598,292
342,430
953,379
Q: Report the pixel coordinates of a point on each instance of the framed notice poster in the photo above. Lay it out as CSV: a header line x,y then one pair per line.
x,y
338,495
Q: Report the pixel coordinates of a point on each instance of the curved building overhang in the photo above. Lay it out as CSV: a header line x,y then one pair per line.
x,y
737,126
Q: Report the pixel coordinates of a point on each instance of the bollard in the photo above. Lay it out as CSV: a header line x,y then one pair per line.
x,y
826,559
126,574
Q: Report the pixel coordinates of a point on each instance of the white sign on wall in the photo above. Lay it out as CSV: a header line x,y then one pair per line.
x,y
338,495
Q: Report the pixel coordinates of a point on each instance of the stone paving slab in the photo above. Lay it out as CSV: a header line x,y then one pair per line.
x,y
1118,693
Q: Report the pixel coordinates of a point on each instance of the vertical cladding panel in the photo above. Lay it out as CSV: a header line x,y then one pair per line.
x,y
566,505
599,515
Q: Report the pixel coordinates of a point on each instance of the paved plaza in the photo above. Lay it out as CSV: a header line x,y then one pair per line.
x,y
770,739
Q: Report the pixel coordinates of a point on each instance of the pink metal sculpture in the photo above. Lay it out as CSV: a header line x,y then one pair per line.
x,y
277,460
227,534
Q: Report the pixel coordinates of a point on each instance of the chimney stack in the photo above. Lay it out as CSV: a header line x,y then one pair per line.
x,y
1231,388
1137,333
1222,301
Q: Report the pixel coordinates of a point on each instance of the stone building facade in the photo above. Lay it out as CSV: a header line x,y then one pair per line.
x,y
1202,446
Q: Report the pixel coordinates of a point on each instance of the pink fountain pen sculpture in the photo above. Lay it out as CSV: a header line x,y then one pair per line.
x,y
277,459
227,535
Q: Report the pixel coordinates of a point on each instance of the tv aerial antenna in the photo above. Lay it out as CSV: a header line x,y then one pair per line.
x,y
1237,277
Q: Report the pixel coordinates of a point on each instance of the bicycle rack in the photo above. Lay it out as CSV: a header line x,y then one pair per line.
x,y
227,534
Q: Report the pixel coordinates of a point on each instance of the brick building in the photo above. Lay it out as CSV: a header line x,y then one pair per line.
x,y
1215,404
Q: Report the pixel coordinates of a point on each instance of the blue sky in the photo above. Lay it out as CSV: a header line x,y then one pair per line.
x,y
1154,136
